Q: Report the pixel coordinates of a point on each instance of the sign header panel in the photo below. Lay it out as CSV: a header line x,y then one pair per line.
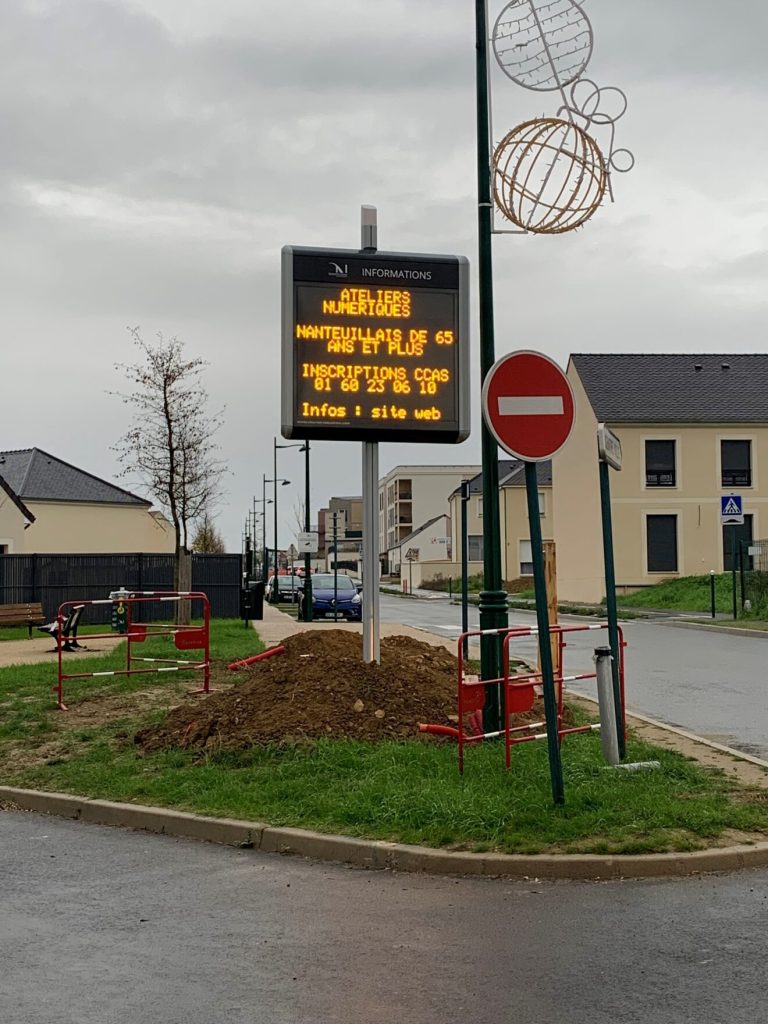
x,y
731,509
528,405
375,346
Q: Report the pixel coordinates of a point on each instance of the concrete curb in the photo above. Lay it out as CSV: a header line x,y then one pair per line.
x,y
759,634
636,716
377,855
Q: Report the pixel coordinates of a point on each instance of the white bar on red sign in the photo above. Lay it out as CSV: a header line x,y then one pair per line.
x,y
531,405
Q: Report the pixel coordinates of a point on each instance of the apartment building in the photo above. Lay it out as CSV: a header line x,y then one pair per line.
x,y
411,495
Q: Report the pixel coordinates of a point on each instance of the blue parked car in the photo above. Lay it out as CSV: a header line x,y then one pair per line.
x,y
348,601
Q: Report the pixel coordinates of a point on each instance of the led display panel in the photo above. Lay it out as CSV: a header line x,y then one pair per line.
x,y
375,346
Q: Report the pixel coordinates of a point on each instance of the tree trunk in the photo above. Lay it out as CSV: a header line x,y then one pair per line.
x,y
183,574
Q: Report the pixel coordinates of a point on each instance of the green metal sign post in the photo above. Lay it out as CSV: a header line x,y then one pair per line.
x,y
493,600
734,544
542,620
609,452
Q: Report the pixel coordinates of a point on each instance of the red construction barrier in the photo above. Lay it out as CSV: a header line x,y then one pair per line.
x,y
244,662
184,637
519,692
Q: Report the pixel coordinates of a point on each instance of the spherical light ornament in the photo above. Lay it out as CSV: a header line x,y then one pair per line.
x,y
542,44
549,176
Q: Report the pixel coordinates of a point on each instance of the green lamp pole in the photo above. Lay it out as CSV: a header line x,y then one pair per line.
x,y
493,600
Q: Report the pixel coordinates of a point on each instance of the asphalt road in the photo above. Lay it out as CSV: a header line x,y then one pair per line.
x,y
709,683
101,926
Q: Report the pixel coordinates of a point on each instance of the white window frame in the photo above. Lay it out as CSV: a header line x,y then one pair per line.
x,y
662,436
752,438
658,573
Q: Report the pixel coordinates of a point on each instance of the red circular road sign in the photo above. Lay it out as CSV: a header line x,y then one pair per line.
x,y
528,405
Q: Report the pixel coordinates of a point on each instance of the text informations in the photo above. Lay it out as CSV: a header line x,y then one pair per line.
x,y
374,346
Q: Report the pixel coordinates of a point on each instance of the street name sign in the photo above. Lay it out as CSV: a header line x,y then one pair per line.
x,y
528,405
731,510
375,346
608,446
308,543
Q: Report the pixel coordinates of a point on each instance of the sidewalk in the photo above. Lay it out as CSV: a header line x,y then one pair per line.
x,y
277,625
42,649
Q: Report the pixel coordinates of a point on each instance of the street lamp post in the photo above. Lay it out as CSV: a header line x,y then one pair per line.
x,y
276,481
307,610
493,600
263,501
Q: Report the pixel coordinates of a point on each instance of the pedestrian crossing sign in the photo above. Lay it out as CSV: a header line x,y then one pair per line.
x,y
731,509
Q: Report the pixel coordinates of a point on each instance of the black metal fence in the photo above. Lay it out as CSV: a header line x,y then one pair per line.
x,y
753,570
53,579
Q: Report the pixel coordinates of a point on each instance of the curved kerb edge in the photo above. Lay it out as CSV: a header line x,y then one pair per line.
x,y
377,855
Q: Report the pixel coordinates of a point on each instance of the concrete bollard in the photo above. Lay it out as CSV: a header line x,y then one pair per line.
x,y
608,735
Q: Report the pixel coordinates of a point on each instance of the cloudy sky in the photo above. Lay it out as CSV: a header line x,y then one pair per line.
x,y
158,153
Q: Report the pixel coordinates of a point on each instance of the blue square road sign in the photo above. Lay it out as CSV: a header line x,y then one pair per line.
x,y
731,509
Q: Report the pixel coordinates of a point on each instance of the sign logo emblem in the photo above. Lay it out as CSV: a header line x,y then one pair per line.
x,y
338,271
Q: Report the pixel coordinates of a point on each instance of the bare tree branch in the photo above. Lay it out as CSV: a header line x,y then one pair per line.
x,y
169,445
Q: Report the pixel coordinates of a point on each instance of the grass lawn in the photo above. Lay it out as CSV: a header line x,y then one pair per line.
x,y
687,594
410,792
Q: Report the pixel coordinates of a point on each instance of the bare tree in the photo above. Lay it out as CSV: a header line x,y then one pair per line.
x,y
170,445
298,515
207,539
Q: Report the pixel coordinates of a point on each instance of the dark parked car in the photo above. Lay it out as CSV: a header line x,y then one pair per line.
x,y
288,588
345,603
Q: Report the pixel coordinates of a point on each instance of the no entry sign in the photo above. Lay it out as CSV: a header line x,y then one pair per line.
x,y
528,405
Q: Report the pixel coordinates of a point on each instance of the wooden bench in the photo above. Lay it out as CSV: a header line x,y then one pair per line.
x,y
29,615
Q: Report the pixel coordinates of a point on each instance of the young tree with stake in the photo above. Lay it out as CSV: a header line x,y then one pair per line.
x,y
170,444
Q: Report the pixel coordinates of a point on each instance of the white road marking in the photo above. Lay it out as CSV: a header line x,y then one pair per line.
x,y
531,405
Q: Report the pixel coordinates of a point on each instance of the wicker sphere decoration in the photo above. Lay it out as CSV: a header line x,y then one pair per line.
x,y
549,176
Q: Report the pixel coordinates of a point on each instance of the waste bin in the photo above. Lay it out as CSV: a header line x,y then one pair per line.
x,y
252,600
119,618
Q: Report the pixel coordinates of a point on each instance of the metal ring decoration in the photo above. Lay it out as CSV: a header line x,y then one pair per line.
x,y
549,176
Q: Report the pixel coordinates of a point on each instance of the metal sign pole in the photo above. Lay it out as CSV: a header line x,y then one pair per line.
x,y
545,648
335,566
464,566
371,641
610,599
371,630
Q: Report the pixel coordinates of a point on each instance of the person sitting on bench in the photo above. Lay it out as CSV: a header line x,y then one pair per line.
x,y
68,629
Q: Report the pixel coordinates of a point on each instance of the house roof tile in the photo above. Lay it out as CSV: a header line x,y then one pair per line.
x,y
35,475
676,388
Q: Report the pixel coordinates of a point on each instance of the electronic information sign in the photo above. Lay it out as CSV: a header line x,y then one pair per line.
x,y
375,346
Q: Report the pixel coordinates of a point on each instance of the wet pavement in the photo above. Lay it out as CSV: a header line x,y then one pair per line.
x,y
101,925
710,683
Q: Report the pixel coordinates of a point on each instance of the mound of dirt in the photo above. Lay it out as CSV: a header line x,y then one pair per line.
x,y
319,687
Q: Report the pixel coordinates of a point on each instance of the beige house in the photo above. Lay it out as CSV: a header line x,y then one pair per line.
x,y
513,519
424,553
48,506
15,518
693,428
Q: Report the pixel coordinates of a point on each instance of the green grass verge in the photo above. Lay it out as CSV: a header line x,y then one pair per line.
x,y
687,594
409,792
